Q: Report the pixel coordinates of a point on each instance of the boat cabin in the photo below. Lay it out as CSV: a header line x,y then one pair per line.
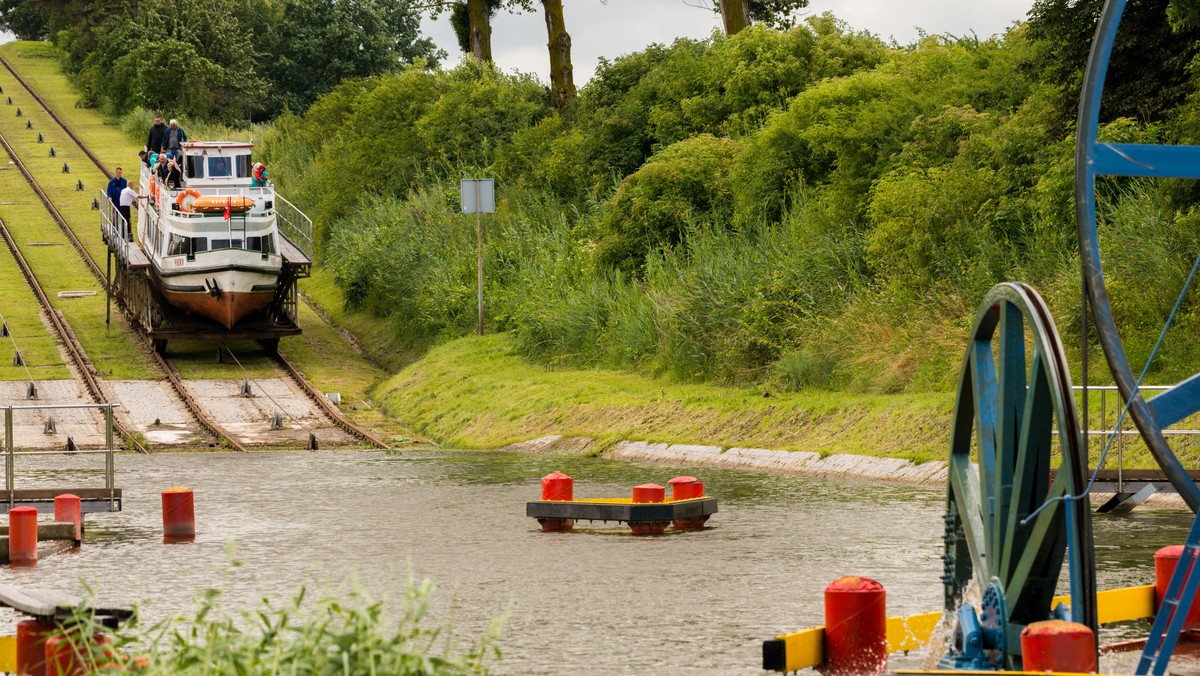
x,y
217,164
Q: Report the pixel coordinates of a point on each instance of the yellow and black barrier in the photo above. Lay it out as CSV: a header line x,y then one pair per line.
x,y
806,648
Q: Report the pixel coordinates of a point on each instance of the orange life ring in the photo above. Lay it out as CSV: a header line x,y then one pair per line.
x,y
183,195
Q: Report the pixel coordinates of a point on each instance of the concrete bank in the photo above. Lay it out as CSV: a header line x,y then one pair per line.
x,y
799,463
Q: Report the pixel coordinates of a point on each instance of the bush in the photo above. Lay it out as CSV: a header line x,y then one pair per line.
x,y
684,186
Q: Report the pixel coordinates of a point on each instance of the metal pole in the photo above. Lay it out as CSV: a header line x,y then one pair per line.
x,y
108,292
109,471
479,249
8,457
1083,366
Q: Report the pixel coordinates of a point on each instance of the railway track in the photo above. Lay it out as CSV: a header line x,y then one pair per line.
x,y
331,413
74,350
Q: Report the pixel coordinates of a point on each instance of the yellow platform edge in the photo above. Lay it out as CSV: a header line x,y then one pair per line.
x,y
805,648
8,654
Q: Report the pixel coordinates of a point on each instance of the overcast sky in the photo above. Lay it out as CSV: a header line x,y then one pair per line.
x,y
615,27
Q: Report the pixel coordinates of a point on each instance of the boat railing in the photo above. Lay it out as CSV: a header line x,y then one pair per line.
x,y
294,225
113,225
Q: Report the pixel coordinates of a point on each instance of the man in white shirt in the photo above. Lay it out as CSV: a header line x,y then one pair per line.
x,y
128,197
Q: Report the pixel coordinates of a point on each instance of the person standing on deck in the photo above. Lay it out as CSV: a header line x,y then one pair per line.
x,y
115,185
127,198
174,138
154,142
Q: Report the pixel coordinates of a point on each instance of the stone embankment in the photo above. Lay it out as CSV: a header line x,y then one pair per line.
x,y
800,463
843,465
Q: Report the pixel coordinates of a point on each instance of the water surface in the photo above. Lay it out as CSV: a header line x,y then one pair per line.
x,y
593,602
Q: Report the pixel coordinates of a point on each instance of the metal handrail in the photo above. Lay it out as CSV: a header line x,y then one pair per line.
x,y
1120,434
10,452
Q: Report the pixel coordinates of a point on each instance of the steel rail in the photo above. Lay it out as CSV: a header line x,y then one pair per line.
x,y
326,406
74,350
57,118
315,395
197,413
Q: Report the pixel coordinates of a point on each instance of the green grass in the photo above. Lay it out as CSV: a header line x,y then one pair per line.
x,y
113,350
28,333
475,392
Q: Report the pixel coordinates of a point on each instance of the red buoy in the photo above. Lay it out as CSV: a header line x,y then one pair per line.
x,y
68,508
558,486
22,536
1165,562
1058,645
69,654
31,647
179,514
855,627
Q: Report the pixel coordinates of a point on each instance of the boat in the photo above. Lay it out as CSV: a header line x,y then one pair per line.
x,y
213,241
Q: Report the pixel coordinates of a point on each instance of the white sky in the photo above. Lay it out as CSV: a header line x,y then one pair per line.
x,y
615,27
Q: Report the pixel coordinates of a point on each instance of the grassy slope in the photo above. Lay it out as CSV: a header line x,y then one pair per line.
x,y
476,392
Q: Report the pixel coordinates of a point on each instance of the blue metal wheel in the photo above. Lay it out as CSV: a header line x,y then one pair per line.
x,y
1093,159
1014,401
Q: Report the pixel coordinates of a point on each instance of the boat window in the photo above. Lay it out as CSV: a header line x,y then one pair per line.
x,y
219,167
227,244
263,244
178,245
244,166
199,244
195,166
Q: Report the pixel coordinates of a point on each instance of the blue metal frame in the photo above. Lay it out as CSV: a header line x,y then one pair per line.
x,y
1093,159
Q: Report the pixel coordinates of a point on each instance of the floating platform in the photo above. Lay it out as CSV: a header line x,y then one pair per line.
x,y
691,513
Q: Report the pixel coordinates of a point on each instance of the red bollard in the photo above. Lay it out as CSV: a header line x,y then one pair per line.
x,y
67,655
855,627
557,486
68,508
648,493
31,647
1165,562
1058,645
179,514
22,536
687,488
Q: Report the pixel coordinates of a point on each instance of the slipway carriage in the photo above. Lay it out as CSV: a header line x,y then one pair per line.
x,y
214,257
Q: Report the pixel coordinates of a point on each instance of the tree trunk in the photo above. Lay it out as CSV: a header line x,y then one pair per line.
x,y
735,15
562,76
480,30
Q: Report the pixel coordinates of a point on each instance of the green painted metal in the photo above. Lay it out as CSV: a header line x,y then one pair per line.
x,y
1014,392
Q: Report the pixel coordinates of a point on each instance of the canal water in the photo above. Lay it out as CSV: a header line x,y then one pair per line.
x,y
598,601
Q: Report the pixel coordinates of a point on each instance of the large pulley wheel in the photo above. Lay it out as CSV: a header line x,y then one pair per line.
x,y
1094,159
1014,400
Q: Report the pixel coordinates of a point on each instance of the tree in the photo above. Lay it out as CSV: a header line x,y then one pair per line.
x,y
1148,72
318,43
737,14
562,75
23,19
472,26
